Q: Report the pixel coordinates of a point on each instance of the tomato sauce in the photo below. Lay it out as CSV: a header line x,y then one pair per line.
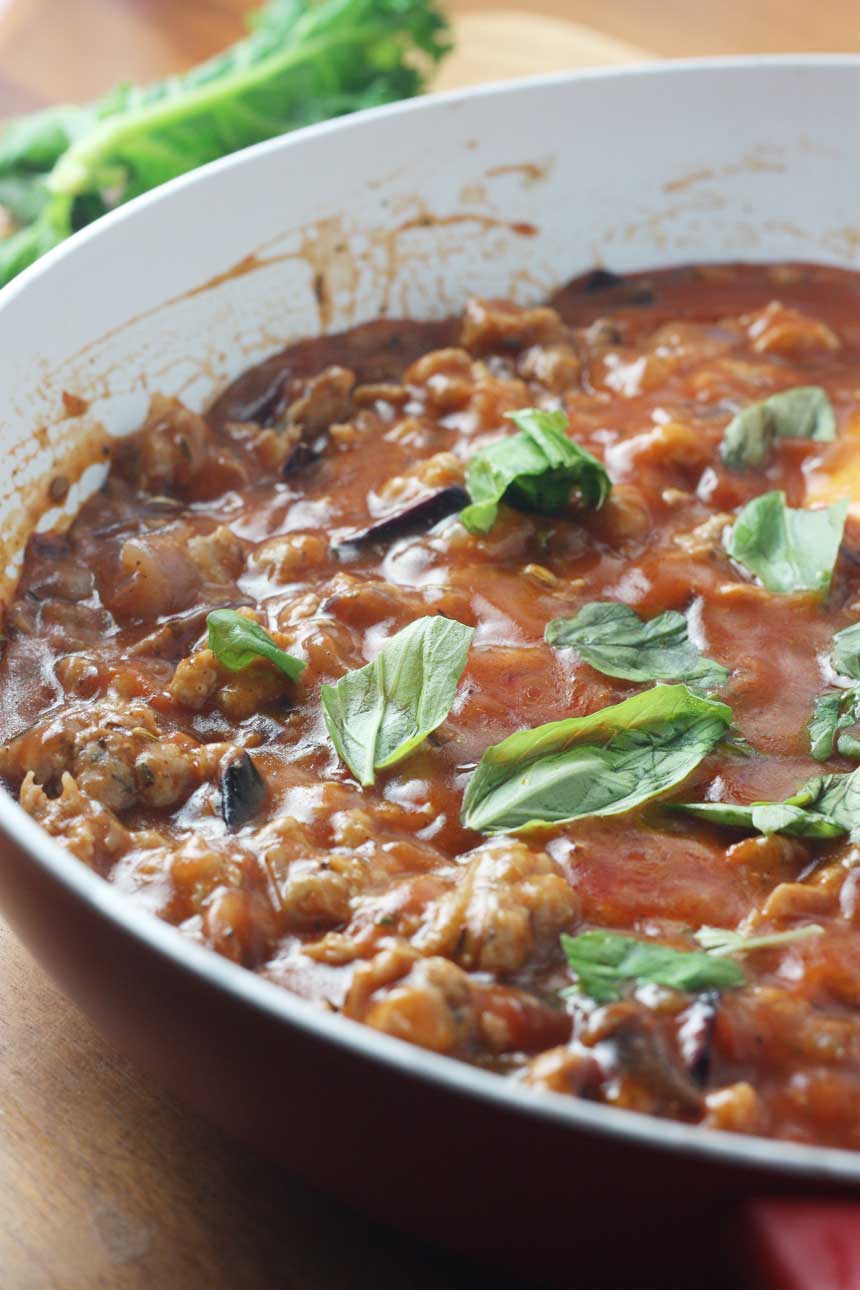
x,y
119,722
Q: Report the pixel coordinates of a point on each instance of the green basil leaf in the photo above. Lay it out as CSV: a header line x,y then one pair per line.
x,y
845,652
376,715
827,806
237,641
722,940
616,641
824,724
788,550
603,764
802,413
536,470
835,713
603,960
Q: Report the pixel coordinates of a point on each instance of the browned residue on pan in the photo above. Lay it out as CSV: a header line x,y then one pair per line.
x,y
531,171
338,282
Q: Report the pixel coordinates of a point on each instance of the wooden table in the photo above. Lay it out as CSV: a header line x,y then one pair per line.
x,y
105,1184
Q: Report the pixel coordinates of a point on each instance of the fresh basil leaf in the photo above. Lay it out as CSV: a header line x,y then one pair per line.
x,y
536,470
788,550
615,640
824,724
802,413
602,961
722,940
237,641
603,764
835,713
376,715
845,652
827,806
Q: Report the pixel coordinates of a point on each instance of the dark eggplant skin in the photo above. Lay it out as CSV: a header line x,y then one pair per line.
x,y
243,791
418,515
307,451
696,1035
621,291
600,280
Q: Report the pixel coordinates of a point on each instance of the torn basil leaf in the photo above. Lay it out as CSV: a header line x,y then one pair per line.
x,y
616,641
237,641
603,764
788,550
845,652
377,714
722,940
602,961
538,469
802,413
827,806
837,711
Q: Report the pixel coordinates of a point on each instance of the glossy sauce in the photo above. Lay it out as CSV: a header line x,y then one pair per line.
x,y
378,902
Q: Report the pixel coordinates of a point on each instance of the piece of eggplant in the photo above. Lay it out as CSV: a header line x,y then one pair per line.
x,y
696,1035
243,791
419,515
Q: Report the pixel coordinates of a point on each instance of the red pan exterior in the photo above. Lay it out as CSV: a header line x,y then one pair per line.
x,y
526,1193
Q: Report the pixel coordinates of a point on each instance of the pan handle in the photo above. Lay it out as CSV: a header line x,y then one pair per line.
x,y
805,1244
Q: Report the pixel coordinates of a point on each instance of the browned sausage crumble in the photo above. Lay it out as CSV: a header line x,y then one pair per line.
x,y
320,497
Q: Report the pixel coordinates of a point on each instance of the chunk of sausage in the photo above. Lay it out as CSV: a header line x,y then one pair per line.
x,y
509,905
115,752
88,829
492,325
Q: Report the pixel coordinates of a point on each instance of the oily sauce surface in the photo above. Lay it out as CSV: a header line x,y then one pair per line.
x,y
119,723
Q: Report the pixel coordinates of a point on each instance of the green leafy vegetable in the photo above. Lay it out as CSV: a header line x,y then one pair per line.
x,y
603,960
838,711
237,641
305,61
802,413
845,652
535,470
377,714
788,550
615,640
603,764
827,806
721,940
836,714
